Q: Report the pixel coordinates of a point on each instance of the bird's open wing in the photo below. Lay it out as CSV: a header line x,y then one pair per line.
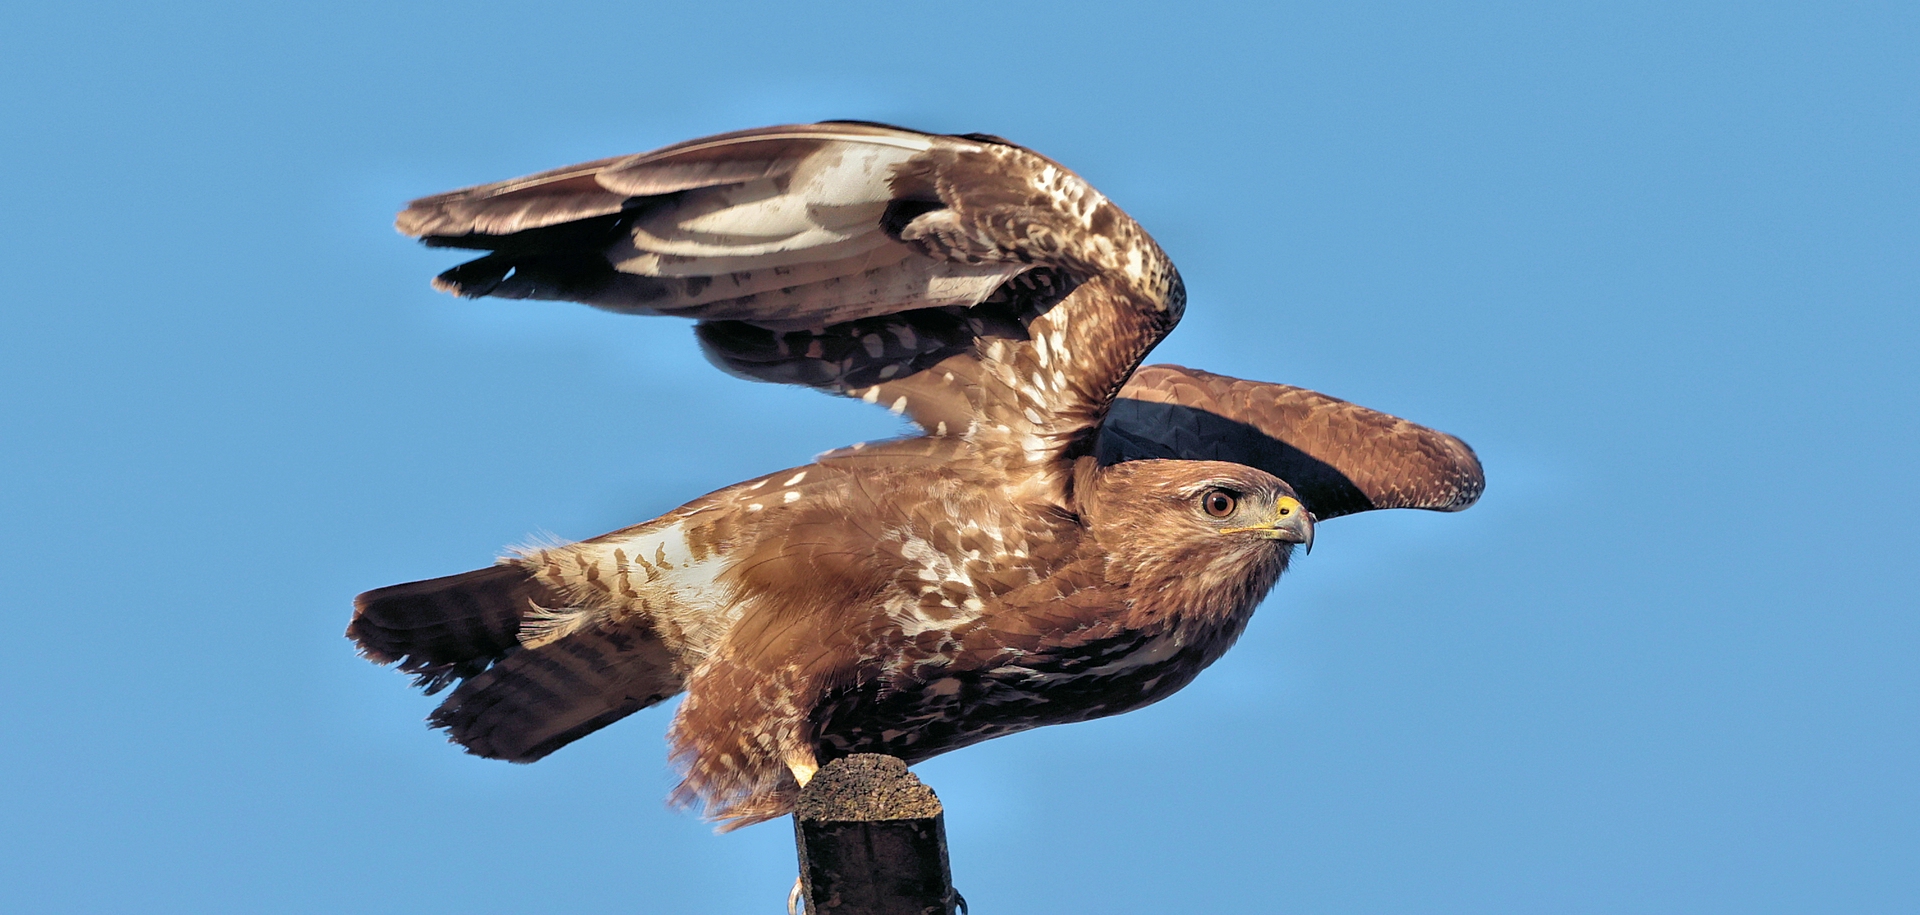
x,y
973,285
1340,457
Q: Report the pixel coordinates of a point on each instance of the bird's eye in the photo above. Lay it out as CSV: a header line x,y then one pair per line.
x,y
1219,503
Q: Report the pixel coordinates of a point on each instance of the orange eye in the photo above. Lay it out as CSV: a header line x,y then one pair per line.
x,y
1219,503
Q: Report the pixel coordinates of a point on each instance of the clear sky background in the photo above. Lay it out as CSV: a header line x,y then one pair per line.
x,y
1658,262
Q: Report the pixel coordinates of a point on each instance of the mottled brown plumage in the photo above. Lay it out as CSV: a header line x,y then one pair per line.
x,y
1068,538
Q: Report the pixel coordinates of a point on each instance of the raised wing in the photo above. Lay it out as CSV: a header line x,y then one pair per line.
x,y
973,285
1340,457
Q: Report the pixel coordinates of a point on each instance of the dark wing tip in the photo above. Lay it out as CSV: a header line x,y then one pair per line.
x,y
475,278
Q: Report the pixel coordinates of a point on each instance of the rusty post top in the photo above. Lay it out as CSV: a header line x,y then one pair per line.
x,y
866,787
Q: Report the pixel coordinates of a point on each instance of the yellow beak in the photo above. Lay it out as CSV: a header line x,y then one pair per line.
x,y
1291,522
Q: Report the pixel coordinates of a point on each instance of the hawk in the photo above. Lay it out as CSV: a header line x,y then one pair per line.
x,y
1068,536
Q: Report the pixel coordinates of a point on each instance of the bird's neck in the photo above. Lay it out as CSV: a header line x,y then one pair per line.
x,y
1202,592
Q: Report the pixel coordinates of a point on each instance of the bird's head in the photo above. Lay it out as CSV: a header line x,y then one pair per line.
x,y
1224,529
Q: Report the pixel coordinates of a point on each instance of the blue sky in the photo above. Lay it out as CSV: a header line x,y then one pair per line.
x,y
1658,262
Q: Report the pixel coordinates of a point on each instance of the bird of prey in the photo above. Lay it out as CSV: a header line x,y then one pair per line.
x,y
1069,536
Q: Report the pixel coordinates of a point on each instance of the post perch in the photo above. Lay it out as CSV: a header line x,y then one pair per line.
x,y
872,841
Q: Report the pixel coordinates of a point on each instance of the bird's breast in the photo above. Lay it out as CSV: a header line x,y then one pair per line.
x,y
951,707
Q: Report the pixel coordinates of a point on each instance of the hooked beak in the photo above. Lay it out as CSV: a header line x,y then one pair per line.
x,y
1291,523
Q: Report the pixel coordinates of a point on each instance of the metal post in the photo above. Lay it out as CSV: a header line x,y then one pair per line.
x,y
872,841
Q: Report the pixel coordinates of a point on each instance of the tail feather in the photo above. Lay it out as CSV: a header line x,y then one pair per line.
x,y
527,686
444,629
537,700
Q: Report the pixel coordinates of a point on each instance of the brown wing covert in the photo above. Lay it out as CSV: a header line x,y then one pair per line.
x,y
1341,457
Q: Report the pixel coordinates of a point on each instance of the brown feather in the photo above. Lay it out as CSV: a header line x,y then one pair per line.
x,y
536,700
1046,553
444,628
1342,457
966,257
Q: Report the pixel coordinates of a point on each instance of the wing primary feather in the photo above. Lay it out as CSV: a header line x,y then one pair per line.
x,y
813,226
